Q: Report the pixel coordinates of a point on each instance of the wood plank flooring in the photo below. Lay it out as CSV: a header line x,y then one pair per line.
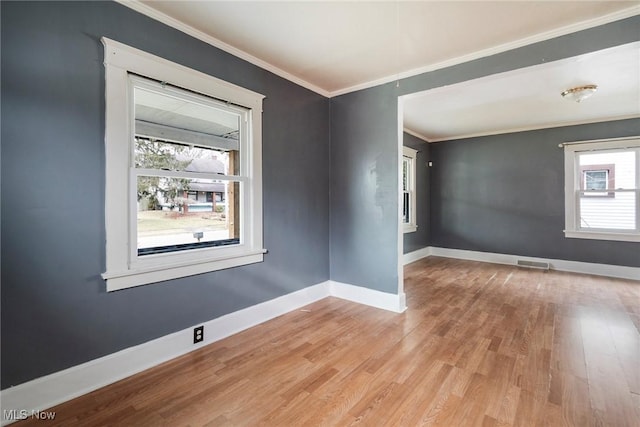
x,y
480,345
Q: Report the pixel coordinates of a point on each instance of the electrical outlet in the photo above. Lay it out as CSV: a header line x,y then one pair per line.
x,y
198,334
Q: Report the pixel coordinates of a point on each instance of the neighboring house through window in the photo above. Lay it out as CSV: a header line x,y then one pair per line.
x,y
602,189
598,177
409,189
183,170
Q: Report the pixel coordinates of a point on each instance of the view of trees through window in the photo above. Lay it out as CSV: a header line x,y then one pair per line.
x,y
186,163
176,210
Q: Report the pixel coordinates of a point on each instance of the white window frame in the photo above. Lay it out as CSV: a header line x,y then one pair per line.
x,y
572,179
124,268
410,155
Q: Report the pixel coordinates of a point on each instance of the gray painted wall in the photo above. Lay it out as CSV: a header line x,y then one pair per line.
x,y
420,238
505,194
55,311
364,189
364,211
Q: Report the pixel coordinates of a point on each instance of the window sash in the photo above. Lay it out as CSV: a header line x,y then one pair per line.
x,y
139,259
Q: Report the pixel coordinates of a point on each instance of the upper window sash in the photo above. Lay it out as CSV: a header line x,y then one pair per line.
x,y
166,90
243,137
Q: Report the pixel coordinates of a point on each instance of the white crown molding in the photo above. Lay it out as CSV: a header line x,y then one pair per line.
x,y
187,29
193,32
548,35
537,127
50,390
416,134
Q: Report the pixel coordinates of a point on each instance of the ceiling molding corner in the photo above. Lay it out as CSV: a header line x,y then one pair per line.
x,y
149,11
142,8
416,134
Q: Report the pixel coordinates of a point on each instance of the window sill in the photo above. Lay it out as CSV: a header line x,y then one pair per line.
x,y
143,276
603,235
408,228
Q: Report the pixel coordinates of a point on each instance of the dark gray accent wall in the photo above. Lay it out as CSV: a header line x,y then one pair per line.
x,y
364,128
505,194
420,238
55,311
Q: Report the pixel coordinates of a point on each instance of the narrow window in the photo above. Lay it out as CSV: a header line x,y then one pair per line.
x,y
409,190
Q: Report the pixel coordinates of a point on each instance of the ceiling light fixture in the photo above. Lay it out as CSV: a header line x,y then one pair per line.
x,y
580,93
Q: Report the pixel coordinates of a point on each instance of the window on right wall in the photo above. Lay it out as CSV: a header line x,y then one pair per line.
x,y
409,190
602,189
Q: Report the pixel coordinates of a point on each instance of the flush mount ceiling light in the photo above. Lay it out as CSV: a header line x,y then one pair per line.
x,y
579,93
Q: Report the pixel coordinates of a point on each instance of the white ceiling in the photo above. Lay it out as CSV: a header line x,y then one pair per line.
x,y
334,47
529,98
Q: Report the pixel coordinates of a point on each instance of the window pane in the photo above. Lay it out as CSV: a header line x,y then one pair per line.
x,y
618,212
406,208
406,166
169,219
180,130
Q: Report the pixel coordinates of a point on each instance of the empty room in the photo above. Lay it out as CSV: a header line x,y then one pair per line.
x,y
385,213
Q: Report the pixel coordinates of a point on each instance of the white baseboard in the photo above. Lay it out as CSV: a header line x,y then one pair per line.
x,y
378,299
414,256
50,390
53,389
608,270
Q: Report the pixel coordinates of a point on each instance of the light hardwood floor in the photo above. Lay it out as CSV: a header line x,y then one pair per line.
x,y
480,345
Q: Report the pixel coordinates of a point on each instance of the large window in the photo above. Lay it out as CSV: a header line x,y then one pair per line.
x,y
409,190
183,171
602,189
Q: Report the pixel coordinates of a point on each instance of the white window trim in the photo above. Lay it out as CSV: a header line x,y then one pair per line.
x,y
121,270
411,154
572,185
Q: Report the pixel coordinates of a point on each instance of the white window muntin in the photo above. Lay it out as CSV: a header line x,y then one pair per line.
x,y
573,193
122,271
409,156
